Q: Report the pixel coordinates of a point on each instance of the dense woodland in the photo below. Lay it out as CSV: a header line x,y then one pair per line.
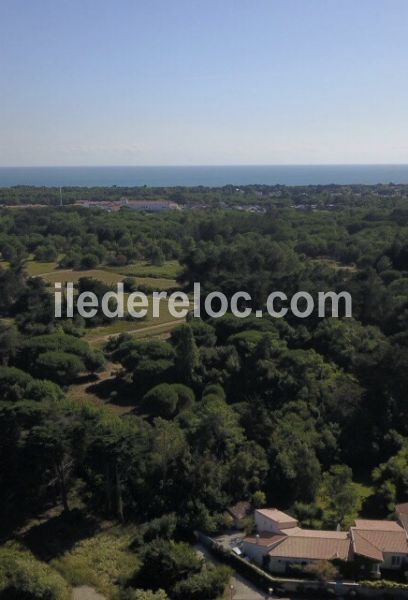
x,y
307,415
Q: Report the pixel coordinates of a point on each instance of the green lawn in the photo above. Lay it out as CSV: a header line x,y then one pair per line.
x,y
148,326
50,273
35,269
169,270
67,275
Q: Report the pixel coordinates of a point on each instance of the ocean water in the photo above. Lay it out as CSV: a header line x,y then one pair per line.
x,y
203,175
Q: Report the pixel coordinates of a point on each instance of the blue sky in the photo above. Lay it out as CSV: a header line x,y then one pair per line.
x,y
144,82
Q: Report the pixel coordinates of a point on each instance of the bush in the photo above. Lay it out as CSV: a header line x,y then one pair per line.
x,y
207,585
146,595
165,563
61,367
383,584
185,396
22,576
214,389
16,384
161,401
89,261
101,562
163,527
323,570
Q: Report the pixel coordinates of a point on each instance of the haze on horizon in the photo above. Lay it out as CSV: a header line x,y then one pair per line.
x,y
98,82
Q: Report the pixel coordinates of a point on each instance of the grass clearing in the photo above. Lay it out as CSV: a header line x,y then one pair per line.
x,y
136,326
169,270
75,276
35,268
157,283
333,264
107,277
100,562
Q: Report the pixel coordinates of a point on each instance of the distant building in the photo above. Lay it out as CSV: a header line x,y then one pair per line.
x,y
126,204
149,205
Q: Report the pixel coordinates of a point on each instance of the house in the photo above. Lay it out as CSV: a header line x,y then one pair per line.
x,y
281,543
149,205
305,546
273,520
382,542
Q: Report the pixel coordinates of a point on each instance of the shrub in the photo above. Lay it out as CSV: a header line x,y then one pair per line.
x,y
207,585
101,562
22,576
161,401
173,561
163,527
323,570
61,367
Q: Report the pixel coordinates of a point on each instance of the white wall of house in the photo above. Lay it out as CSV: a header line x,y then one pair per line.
x,y
255,552
393,560
265,524
278,564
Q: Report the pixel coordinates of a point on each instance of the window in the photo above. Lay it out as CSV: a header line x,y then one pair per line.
x,y
395,560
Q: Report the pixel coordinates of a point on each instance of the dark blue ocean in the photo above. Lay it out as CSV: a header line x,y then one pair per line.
x,y
203,175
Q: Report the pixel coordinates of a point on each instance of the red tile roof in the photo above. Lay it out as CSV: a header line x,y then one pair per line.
x,y
372,524
266,540
402,514
316,533
364,547
372,538
312,548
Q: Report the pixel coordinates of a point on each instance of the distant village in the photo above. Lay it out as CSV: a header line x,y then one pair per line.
x,y
155,206
126,204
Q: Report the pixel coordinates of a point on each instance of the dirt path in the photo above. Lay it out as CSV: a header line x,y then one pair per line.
x,y
142,330
84,592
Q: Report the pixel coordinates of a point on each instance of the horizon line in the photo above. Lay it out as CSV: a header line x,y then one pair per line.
x,y
202,165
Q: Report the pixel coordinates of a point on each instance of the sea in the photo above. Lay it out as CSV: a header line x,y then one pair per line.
x,y
211,176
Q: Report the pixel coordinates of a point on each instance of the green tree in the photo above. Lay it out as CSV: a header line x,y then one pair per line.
x,y
22,576
209,584
340,495
187,355
174,561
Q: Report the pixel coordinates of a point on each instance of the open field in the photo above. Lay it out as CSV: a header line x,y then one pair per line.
x,y
169,270
157,278
50,273
34,268
107,277
139,327
70,275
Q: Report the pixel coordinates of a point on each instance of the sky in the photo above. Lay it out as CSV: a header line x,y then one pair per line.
x,y
212,82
